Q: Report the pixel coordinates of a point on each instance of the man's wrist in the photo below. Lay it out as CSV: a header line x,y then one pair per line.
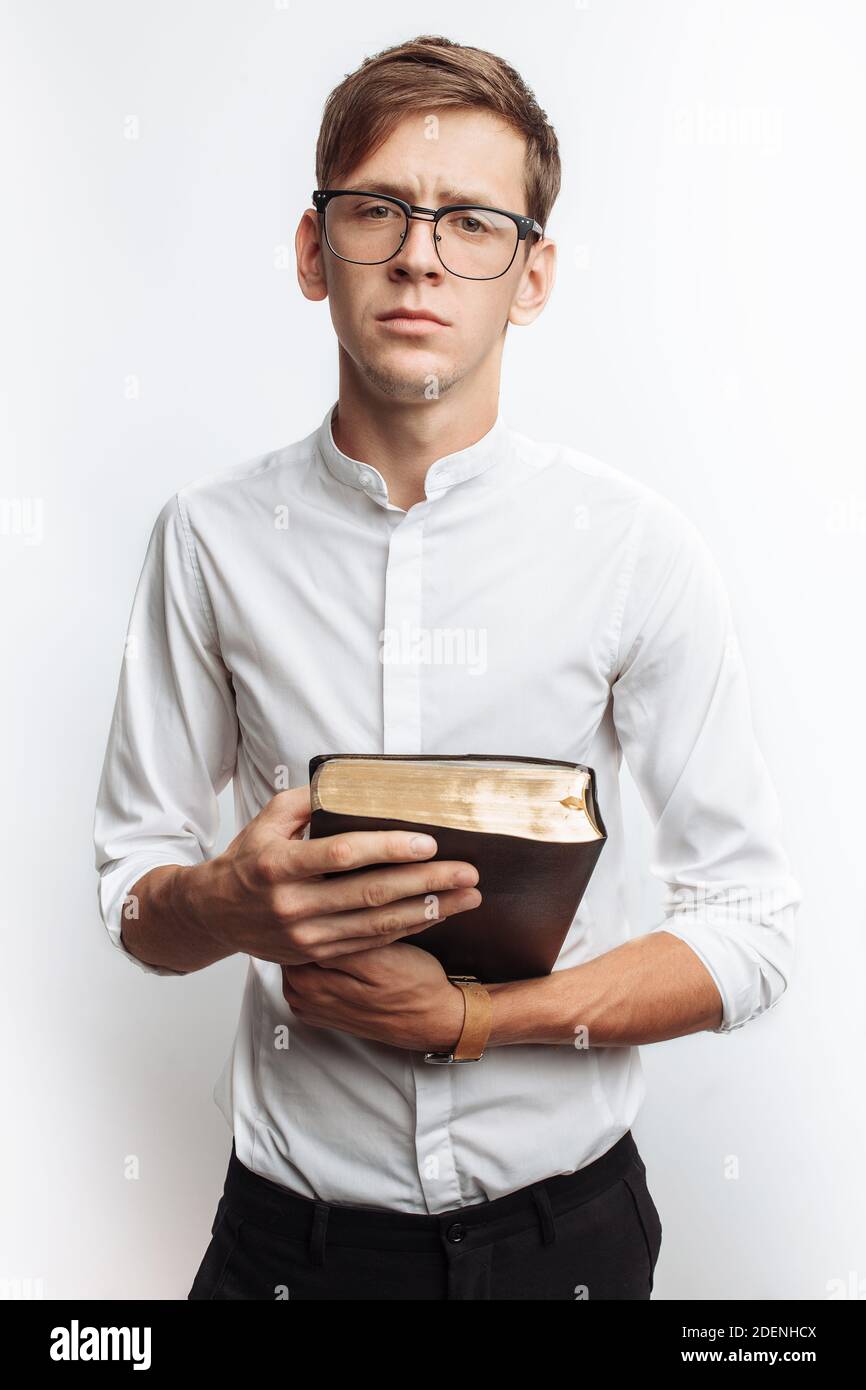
x,y
185,898
529,1011
451,1020
464,1022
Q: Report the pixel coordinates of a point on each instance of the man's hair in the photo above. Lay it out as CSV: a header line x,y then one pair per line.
x,y
420,75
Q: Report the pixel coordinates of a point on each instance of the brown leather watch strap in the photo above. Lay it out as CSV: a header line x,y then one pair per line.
x,y
477,1018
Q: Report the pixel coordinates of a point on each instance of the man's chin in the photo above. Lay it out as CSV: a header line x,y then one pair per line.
x,y
418,380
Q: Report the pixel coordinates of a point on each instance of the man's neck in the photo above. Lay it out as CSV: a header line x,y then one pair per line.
x,y
402,439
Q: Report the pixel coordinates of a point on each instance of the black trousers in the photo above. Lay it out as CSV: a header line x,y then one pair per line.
x,y
593,1234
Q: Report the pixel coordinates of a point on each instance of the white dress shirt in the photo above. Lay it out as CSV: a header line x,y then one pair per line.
x,y
538,602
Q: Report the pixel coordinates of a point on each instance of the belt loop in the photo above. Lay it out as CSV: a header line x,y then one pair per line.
x,y
318,1233
545,1212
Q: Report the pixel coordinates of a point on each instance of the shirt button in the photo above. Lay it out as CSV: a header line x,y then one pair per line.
x,y
456,1232
367,478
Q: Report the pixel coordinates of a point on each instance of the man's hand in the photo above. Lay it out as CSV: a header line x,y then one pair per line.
x,y
398,995
266,894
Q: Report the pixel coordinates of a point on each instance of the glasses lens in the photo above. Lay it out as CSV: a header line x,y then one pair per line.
x,y
473,242
476,243
365,229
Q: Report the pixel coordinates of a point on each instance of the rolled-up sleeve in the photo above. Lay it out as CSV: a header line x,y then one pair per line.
x,y
172,741
683,717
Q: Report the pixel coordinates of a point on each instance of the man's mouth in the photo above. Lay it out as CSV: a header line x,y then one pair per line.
x,y
413,323
423,318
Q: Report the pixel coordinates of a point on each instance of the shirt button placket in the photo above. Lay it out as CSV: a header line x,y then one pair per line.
x,y
402,733
401,683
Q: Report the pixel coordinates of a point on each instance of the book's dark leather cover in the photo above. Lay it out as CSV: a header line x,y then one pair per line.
x,y
531,889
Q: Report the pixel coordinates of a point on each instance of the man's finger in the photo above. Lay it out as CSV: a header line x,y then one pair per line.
x,y
353,849
378,924
374,889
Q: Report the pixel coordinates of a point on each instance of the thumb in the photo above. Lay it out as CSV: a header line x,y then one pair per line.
x,y
289,811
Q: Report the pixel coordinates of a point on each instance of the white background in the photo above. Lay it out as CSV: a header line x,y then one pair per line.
x,y
705,335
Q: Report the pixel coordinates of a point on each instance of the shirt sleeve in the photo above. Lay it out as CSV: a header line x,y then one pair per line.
x,y
172,742
683,717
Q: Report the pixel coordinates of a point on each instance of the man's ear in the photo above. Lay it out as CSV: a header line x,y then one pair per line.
x,y
536,283
310,256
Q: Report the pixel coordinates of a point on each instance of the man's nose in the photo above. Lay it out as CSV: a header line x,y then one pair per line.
x,y
418,251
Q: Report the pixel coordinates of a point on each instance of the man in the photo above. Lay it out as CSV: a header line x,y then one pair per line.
x,y
263,632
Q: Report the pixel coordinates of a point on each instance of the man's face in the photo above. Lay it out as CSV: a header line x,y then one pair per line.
x,y
450,156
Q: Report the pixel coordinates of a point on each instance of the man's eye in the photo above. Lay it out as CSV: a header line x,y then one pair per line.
x,y
376,212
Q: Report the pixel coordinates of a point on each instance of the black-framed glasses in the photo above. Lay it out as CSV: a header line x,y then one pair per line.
x,y
475,243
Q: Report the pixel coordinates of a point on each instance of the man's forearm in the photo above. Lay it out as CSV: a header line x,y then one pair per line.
x,y
649,989
170,929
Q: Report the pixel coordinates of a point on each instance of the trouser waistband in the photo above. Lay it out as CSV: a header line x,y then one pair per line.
x,y
275,1208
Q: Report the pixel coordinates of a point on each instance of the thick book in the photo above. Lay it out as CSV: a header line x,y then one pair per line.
x,y
531,826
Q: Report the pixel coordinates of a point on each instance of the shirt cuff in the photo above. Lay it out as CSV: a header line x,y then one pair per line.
x,y
751,962
113,890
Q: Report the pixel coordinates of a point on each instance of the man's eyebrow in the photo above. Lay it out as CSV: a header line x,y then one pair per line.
x,y
445,195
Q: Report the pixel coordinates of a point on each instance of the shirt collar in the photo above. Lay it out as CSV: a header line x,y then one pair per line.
x,y
441,475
